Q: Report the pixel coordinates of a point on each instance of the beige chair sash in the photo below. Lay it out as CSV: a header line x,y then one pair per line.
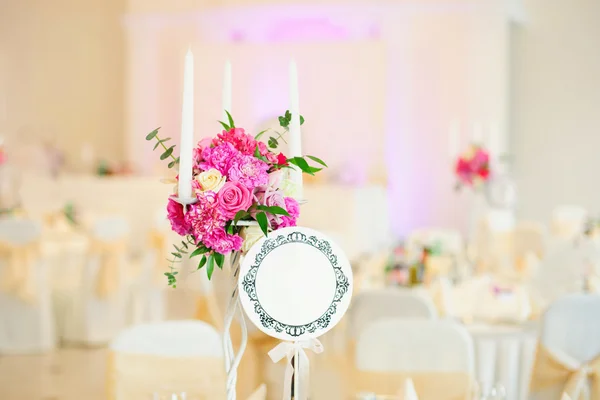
x,y
110,253
158,243
18,275
428,385
550,371
139,376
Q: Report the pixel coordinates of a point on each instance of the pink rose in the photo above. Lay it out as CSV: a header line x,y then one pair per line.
x,y
177,218
272,198
233,197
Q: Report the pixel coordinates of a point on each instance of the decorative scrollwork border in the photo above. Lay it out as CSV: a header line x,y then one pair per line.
x,y
249,284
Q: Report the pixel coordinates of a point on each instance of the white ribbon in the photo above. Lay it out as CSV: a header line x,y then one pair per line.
x,y
289,350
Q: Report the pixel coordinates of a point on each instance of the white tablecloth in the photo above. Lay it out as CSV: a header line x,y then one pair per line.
x,y
504,355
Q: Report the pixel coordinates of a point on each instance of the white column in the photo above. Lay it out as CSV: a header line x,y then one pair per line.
x,y
142,91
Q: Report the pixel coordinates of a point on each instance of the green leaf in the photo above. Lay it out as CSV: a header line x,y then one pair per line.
x,y
240,215
257,152
172,164
273,143
231,124
259,134
202,262
167,153
302,164
261,218
225,126
156,145
301,120
220,259
283,122
176,255
288,115
152,134
274,210
210,266
198,251
318,160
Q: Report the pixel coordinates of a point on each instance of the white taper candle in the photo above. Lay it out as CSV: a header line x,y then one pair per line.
x,y
295,139
186,143
226,90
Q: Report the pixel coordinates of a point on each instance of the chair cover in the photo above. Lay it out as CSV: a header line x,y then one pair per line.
x,y
568,221
97,309
371,306
437,355
568,355
165,358
25,303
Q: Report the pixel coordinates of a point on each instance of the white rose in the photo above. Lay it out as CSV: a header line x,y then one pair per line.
x,y
211,180
251,235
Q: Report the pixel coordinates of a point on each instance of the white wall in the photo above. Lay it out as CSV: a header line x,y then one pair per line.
x,y
556,106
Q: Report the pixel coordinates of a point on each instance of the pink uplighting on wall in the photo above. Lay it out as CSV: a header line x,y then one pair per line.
x,y
306,30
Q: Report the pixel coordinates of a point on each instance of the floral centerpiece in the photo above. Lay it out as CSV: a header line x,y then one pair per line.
x,y
472,168
238,180
2,155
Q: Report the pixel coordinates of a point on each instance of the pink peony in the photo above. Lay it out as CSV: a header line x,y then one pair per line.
x,y
233,197
249,171
204,216
219,157
177,218
221,242
293,208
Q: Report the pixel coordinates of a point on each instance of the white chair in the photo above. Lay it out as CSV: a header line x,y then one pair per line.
x,y
371,306
171,357
97,309
568,221
148,292
436,354
569,347
26,319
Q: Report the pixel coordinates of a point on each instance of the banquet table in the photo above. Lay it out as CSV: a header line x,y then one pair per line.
x,y
504,356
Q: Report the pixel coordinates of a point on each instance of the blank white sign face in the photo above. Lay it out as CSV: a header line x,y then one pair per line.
x,y
295,284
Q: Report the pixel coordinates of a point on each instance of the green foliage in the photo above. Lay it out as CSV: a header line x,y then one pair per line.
x,y
167,151
210,266
219,259
273,210
263,222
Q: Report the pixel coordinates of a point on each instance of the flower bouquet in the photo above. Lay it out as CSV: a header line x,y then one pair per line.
x,y
473,167
238,181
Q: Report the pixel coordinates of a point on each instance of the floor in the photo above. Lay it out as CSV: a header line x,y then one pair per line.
x,y
67,374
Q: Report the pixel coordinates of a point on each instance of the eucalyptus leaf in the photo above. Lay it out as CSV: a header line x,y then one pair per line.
x,y
301,120
283,122
288,115
156,145
261,218
210,266
172,164
316,159
176,255
273,143
167,153
152,134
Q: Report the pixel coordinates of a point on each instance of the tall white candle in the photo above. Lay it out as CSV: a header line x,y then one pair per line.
x,y
187,130
226,90
295,139
477,136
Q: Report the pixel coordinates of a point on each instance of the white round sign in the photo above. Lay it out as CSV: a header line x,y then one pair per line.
x,y
295,284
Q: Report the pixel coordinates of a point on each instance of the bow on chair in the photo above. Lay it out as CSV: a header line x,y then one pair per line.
x,y
109,254
553,369
18,275
288,350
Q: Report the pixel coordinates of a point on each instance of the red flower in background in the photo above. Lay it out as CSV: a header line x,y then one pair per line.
x,y
473,166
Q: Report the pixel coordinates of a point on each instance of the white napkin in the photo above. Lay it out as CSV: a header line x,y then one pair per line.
x,y
409,392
